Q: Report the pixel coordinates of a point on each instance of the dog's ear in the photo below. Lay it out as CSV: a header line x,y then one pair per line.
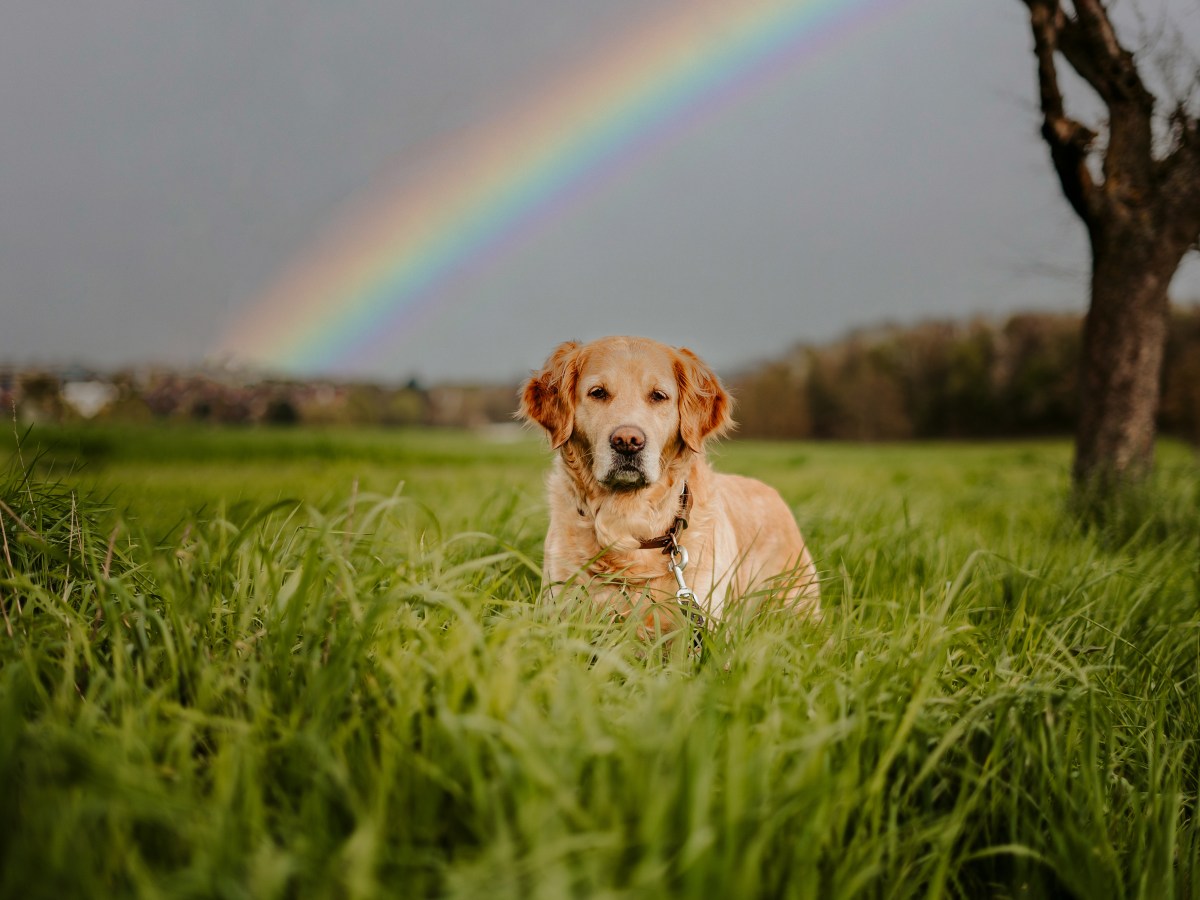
x,y
705,409
548,398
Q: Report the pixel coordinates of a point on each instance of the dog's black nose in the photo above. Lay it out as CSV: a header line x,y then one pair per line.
x,y
628,440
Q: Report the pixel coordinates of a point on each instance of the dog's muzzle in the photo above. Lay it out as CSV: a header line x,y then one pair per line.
x,y
626,444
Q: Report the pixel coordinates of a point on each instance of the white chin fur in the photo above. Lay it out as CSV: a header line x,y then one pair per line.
x,y
626,478
620,473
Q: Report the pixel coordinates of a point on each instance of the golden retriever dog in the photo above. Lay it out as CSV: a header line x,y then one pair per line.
x,y
631,490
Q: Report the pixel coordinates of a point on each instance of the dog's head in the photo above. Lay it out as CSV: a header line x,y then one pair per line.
x,y
632,403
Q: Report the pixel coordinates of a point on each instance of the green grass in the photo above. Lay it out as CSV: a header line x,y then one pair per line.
x,y
231,673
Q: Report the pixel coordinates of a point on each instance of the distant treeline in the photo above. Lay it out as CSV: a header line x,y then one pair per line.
x,y
982,379
228,398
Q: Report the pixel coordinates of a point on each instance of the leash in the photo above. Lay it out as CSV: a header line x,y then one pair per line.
x,y
677,561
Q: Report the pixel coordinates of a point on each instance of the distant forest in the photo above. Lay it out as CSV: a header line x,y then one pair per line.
x,y
981,379
978,379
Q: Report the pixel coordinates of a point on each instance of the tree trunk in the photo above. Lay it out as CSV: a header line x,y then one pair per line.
x,y
1123,342
1142,212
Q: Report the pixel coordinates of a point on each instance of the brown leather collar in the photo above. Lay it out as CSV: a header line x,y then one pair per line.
x,y
666,541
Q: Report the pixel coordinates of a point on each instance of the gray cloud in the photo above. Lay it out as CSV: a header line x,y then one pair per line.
x,y
162,162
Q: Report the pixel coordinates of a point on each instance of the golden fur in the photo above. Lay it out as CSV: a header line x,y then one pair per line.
x,y
596,399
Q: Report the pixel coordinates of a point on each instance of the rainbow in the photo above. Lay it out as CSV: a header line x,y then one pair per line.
x,y
488,189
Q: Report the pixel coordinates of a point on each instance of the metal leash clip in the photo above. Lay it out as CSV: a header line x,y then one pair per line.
x,y
685,596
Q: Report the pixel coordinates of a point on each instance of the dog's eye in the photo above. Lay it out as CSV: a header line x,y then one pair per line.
x,y
598,393
657,396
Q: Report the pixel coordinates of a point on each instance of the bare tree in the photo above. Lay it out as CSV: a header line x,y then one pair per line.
x,y
1134,180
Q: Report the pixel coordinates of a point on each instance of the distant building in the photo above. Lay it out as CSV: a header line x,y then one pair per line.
x,y
88,398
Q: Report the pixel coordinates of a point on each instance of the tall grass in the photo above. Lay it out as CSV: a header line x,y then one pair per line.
x,y
355,700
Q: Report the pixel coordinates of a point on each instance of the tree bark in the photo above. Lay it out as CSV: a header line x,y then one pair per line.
x,y
1124,338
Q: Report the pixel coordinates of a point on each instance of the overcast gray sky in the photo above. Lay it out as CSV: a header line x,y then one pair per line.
x,y
163,161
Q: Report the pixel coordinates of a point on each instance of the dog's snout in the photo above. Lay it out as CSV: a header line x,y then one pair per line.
x,y
628,440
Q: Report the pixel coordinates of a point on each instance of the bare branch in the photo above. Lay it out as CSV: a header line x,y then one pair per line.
x,y
1093,52
1093,17
1179,175
1089,43
1070,141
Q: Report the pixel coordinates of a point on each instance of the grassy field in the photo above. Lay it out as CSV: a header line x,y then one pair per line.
x,y
309,664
